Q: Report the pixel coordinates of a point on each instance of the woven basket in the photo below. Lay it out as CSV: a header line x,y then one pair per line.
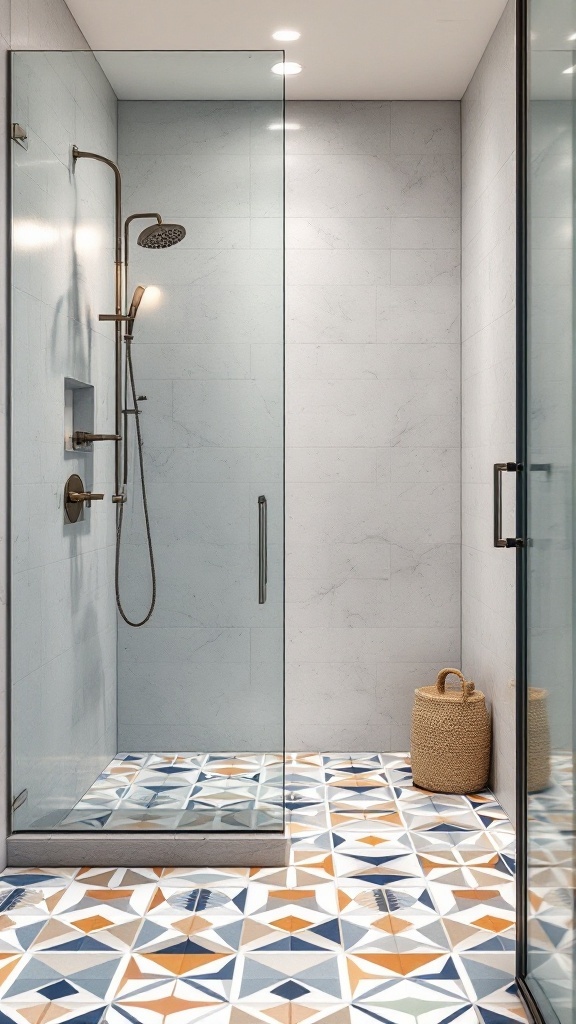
x,y
450,737
538,740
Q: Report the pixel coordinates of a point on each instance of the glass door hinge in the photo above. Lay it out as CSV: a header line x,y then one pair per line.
x,y
19,135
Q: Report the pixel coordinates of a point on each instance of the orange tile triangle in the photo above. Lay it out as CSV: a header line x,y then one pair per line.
x,y
357,973
291,924
281,1013
33,1014
431,865
392,924
91,924
157,899
292,895
412,961
7,969
109,894
190,961
388,960
343,899
373,840
178,964
493,924
55,1012
191,924
394,819
301,1013
169,1004
482,895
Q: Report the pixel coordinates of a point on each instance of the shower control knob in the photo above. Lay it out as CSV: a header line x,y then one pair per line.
x,y
75,497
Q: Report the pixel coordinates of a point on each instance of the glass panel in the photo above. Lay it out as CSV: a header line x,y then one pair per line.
x,y
550,837
167,713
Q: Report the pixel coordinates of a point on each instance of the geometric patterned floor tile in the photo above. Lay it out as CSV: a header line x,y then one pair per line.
x,y
187,790
397,906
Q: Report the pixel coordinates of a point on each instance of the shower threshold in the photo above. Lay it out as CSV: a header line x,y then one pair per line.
x,y
202,792
167,809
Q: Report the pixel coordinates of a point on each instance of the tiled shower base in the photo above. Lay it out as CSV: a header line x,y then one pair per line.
x,y
188,791
397,907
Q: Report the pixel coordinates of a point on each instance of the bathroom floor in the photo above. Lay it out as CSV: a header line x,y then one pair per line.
x,y
397,906
208,792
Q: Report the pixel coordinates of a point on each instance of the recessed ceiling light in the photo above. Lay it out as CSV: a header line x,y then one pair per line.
x,y
286,35
287,67
277,126
572,38
570,71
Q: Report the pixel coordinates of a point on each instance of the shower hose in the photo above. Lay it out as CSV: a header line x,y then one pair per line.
x,y
130,374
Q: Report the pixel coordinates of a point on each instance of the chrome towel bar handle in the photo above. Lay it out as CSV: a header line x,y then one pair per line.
x,y
499,540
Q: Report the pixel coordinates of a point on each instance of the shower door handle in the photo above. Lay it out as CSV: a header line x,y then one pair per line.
x,y
262,548
499,540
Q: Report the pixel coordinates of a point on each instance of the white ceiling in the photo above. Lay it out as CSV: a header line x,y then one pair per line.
x,y
349,49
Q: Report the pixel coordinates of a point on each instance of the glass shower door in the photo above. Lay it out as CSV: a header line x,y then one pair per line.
x,y
547,907
178,724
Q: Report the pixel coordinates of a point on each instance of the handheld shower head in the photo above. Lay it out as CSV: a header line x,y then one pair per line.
x,y
136,300
161,236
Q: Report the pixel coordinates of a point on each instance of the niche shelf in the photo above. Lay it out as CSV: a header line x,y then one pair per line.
x,y
78,412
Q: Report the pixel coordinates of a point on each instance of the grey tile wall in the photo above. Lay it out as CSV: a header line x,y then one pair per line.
x,y
373,416
488,387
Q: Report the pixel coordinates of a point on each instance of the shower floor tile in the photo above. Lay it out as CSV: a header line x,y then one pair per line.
x,y
400,911
188,791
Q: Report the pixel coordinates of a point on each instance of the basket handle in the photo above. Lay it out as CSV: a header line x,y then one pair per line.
x,y
467,685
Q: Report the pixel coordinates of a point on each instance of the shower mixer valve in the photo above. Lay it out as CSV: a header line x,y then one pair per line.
x,y
75,498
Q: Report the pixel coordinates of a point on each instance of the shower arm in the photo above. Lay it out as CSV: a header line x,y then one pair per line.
x,y
127,223
78,154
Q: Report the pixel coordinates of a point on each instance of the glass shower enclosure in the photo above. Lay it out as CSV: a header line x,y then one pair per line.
x,y
547,736
147,442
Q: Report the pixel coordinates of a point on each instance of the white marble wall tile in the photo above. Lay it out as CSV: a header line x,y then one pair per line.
x,y
185,128
373,430
418,313
425,233
335,128
338,233
373,362
488,394
425,127
312,465
192,185
393,644
44,25
345,314
336,268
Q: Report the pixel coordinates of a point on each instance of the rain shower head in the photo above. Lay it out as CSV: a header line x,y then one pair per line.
x,y
161,236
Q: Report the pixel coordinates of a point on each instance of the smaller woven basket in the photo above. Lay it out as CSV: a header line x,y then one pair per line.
x,y
538,740
450,742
